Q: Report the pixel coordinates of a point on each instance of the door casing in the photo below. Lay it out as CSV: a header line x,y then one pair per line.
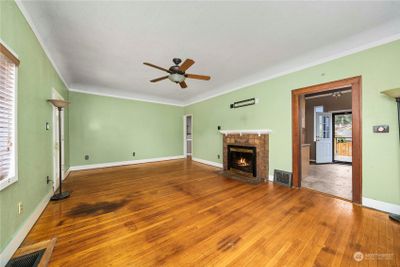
x,y
355,84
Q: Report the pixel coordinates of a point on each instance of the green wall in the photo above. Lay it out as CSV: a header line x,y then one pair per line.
x,y
379,68
110,129
36,78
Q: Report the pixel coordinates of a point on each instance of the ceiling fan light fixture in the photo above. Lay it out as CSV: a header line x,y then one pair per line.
x,y
337,94
176,77
177,73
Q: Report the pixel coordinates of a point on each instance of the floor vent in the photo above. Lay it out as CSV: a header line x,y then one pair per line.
x,y
28,260
283,178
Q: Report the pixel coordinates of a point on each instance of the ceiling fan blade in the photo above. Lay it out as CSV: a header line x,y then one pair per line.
x,y
198,77
186,64
159,79
183,85
157,67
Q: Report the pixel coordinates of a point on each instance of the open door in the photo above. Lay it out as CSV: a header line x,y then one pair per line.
x,y
323,137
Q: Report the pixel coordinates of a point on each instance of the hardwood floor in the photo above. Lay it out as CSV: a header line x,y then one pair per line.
x,y
184,213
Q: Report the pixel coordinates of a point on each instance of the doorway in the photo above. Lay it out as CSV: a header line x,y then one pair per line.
x,y
342,137
56,145
329,149
326,137
187,135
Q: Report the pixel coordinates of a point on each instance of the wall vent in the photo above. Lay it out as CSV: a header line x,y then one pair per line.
x,y
283,178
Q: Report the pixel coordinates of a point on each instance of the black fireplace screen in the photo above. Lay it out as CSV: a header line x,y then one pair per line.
x,y
242,158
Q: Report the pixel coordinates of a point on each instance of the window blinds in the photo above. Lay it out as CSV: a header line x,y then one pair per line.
x,y
7,115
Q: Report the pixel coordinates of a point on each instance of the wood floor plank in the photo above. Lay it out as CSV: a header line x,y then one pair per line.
x,y
182,213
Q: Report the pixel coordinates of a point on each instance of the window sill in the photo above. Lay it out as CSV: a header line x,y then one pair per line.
x,y
7,182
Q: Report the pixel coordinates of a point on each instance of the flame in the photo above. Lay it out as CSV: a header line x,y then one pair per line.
x,y
242,162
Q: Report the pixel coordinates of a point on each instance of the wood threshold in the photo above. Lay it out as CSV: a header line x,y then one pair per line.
x,y
328,195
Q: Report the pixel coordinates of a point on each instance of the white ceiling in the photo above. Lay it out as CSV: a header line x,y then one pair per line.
x,y
99,46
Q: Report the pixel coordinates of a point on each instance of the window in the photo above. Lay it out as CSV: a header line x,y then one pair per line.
x,y
8,74
316,109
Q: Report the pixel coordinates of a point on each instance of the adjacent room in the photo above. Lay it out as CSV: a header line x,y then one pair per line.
x,y
199,133
327,142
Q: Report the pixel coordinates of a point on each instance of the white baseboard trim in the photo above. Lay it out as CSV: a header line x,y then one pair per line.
x,y
271,178
380,205
66,173
122,163
23,231
207,162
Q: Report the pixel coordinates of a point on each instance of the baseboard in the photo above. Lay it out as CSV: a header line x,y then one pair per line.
x,y
122,163
271,178
23,231
380,205
66,173
207,162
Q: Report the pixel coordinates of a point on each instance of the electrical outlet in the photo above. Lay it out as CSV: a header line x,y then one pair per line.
x,y
218,156
133,154
20,208
86,157
47,179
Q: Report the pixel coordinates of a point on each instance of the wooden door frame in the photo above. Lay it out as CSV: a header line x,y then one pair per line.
x,y
355,84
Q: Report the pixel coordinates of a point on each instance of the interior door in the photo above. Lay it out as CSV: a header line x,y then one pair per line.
x,y
324,137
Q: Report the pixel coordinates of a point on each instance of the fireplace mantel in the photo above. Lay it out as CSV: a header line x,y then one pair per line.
x,y
259,132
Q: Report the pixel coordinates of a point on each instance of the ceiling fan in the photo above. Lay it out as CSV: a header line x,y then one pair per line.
x,y
177,74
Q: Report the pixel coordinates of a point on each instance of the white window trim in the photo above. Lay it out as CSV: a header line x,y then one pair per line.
x,y
315,121
9,181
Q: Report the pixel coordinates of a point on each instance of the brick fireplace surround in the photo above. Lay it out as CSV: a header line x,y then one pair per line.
x,y
253,138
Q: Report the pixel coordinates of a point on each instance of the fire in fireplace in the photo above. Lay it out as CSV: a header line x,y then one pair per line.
x,y
242,158
242,162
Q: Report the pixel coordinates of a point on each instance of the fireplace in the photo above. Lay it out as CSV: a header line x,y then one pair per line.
x,y
246,155
242,158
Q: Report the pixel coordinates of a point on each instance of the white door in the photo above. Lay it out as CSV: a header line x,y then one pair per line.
x,y
323,137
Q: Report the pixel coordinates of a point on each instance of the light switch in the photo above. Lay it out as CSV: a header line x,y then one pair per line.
x,y
381,129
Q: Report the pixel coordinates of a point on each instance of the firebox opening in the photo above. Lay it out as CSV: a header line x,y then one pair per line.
x,y
242,158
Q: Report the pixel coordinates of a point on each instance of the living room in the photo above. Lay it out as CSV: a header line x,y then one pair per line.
x,y
180,133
